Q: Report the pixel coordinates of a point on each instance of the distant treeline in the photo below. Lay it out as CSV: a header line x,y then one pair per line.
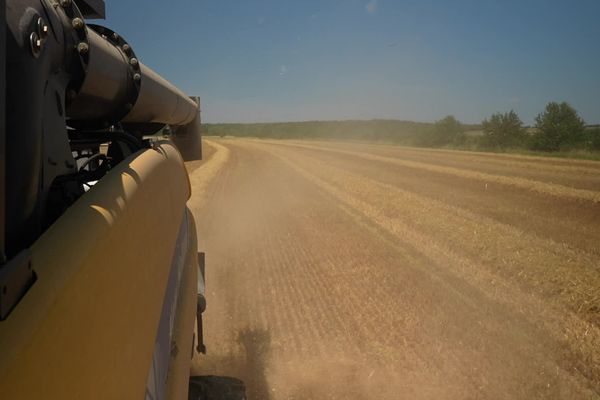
x,y
373,130
558,128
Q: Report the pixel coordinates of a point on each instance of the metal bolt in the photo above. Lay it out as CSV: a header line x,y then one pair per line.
x,y
83,48
134,62
137,77
35,43
65,3
126,48
42,28
78,23
116,36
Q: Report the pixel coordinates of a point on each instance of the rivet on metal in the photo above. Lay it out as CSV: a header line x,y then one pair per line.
x,y
65,3
134,62
78,23
83,48
137,77
126,48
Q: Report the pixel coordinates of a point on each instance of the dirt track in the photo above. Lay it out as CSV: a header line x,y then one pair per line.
x,y
347,271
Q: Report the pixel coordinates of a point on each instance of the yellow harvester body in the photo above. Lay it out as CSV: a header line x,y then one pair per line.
x,y
86,328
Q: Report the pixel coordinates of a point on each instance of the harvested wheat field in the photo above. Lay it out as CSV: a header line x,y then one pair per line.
x,y
352,271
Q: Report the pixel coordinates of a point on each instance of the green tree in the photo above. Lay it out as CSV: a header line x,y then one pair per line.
x,y
558,127
592,139
503,130
445,131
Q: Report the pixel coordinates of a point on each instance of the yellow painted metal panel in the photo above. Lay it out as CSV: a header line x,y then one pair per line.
x,y
182,338
86,329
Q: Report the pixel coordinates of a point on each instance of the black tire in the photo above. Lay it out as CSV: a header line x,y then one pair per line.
x,y
216,388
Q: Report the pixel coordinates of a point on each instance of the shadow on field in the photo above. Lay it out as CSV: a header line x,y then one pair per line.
x,y
257,346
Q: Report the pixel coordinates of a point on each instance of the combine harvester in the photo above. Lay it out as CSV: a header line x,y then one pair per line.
x,y
100,278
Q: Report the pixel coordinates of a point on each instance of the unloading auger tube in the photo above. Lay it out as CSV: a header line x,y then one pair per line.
x,y
73,88
119,88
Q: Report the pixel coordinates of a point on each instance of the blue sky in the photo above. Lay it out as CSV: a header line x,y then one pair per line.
x,y
415,60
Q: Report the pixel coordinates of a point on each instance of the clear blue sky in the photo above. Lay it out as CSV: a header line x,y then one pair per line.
x,y
416,60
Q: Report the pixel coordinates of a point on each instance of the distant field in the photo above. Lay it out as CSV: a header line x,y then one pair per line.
x,y
390,131
404,133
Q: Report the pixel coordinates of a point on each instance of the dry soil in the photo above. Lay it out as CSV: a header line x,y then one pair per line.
x,y
352,271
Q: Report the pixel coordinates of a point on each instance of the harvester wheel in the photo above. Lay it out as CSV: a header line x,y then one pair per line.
x,y
216,388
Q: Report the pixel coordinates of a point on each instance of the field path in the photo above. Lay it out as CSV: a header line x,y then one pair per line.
x,y
349,271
